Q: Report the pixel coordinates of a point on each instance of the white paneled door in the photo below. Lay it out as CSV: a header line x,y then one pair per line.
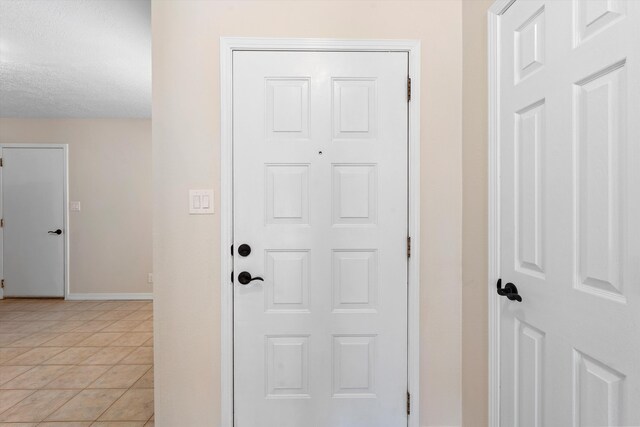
x,y
33,213
320,205
570,213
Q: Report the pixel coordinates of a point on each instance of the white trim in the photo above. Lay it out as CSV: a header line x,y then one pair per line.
x,y
110,296
65,151
493,50
500,6
414,231
227,46
226,231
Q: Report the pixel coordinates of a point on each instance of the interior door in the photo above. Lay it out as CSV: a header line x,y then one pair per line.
x,y
33,182
570,213
320,201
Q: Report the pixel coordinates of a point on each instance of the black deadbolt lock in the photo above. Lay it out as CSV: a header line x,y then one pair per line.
x,y
244,250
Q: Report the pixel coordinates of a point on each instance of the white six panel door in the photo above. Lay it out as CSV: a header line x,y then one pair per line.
x,y
32,206
570,213
320,195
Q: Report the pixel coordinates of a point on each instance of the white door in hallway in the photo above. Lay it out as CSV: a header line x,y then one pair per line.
x,y
33,213
570,213
320,197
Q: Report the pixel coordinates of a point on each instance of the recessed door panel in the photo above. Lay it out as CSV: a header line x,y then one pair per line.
x,y
287,366
600,143
597,392
287,108
529,155
355,194
354,108
354,366
529,375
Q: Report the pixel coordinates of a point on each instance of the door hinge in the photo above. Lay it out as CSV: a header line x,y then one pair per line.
x,y
408,247
1,162
408,403
408,88
2,284
2,223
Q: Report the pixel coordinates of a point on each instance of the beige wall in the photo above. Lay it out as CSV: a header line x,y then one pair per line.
x,y
186,154
110,174
474,213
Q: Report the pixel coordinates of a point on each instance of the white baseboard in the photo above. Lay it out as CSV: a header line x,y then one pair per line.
x,y
109,296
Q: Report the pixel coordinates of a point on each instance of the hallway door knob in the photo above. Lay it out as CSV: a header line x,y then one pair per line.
x,y
245,278
510,291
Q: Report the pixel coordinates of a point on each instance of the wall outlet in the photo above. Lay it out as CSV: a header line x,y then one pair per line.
x,y
75,206
150,278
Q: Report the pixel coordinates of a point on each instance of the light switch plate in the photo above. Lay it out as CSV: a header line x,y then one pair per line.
x,y
75,206
201,202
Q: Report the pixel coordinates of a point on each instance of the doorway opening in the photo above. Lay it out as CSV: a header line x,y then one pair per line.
x,y
283,89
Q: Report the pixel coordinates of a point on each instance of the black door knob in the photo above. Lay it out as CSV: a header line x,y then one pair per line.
x,y
510,291
245,278
58,232
244,250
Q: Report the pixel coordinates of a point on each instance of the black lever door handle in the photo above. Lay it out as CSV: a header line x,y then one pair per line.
x,y
58,232
510,291
245,278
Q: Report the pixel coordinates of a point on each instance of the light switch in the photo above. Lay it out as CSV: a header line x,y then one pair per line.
x,y
74,206
201,202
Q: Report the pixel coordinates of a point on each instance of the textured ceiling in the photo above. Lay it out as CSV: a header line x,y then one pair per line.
x,y
75,58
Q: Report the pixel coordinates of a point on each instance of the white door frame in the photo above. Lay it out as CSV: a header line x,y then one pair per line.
x,y
494,13
227,46
65,151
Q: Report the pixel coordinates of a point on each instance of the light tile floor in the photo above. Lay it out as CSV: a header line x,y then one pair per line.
x,y
76,363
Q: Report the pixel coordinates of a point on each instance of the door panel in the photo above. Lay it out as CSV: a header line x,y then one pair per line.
x,y
33,205
570,213
320,195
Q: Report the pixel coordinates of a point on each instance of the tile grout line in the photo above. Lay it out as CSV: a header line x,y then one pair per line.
x,y
79,363
113,403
